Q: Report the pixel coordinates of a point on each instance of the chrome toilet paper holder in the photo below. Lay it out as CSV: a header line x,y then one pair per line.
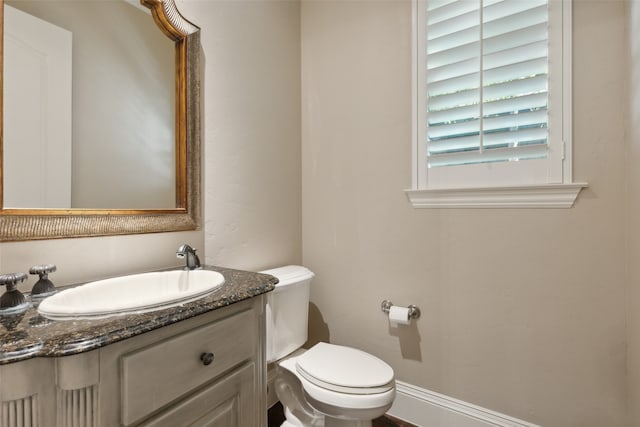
x,y
414,311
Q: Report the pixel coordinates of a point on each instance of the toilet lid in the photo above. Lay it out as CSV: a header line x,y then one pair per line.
x,y
345,370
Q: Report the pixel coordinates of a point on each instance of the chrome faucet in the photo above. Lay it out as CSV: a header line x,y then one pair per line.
x,y
193,262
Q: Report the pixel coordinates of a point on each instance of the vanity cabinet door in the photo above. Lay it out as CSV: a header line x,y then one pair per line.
x,y
225,403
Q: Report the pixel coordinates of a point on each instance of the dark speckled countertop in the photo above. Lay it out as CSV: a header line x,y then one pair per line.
x,y
28,334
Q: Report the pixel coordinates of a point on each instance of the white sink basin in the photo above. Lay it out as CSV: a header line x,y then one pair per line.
x,y
128,294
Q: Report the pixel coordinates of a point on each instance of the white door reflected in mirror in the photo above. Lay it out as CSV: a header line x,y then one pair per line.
x,y
37,161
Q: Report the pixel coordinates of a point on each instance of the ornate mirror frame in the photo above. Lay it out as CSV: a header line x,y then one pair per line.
x,y
35,224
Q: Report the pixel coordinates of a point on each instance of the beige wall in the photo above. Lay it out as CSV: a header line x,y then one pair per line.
x,y
633,306
252,131
523,310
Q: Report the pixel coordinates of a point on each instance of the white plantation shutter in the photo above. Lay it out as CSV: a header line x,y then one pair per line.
x,y
487,81
492,104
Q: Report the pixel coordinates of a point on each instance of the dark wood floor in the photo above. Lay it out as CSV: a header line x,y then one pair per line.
x,y
276,418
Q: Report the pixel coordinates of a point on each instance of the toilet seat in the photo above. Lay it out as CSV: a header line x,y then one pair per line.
x,y
335,403
345,370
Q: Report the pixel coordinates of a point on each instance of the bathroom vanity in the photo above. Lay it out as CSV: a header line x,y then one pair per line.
x,y
201,363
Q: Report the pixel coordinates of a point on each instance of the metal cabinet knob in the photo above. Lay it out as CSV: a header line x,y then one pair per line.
x,y
206,358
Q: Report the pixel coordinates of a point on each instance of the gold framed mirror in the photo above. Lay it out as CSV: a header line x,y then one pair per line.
x,y
17,223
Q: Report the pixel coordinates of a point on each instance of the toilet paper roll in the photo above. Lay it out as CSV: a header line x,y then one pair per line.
x,y
399,315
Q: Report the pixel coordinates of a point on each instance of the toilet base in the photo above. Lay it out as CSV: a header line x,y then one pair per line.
x,y
332,422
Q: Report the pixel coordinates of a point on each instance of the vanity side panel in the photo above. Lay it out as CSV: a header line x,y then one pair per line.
x,y
27,393
260,366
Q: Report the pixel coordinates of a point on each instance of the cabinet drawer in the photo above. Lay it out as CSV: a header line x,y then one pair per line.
x,y
156,375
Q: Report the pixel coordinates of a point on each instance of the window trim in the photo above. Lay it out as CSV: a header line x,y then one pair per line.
x,y
513,195
525,196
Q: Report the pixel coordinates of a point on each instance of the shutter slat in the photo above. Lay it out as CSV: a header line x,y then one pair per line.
x,y
449,10
516,55
451,41
513,138
518,137
507,24
453,25
455,129
436,4
519,37
452,71
446,57
466,82
516,103
487,156
465,112
494,10
536,84
453,145
453,100
513,72
515,121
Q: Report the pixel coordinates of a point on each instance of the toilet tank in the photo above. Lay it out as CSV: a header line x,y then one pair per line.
x,y
287,311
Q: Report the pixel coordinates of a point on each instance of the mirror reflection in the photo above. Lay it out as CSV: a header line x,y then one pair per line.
x,y
89,97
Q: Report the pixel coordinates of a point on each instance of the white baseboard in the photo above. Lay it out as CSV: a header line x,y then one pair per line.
x,y
426,408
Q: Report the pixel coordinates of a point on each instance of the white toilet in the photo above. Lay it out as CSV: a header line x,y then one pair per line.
x,y
328,385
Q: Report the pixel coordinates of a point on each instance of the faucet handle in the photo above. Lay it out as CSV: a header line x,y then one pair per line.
x,y
42,269
12,279
43,286
12,297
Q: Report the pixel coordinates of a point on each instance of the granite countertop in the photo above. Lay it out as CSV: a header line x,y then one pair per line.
x,y
28,334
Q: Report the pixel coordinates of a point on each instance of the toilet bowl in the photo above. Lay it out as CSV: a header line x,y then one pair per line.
x,y
343,385
328,385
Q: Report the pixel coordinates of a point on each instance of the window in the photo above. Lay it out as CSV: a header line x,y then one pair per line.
x,y
492,103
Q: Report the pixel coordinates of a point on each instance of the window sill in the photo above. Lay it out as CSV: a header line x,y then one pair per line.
x,y
534,196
